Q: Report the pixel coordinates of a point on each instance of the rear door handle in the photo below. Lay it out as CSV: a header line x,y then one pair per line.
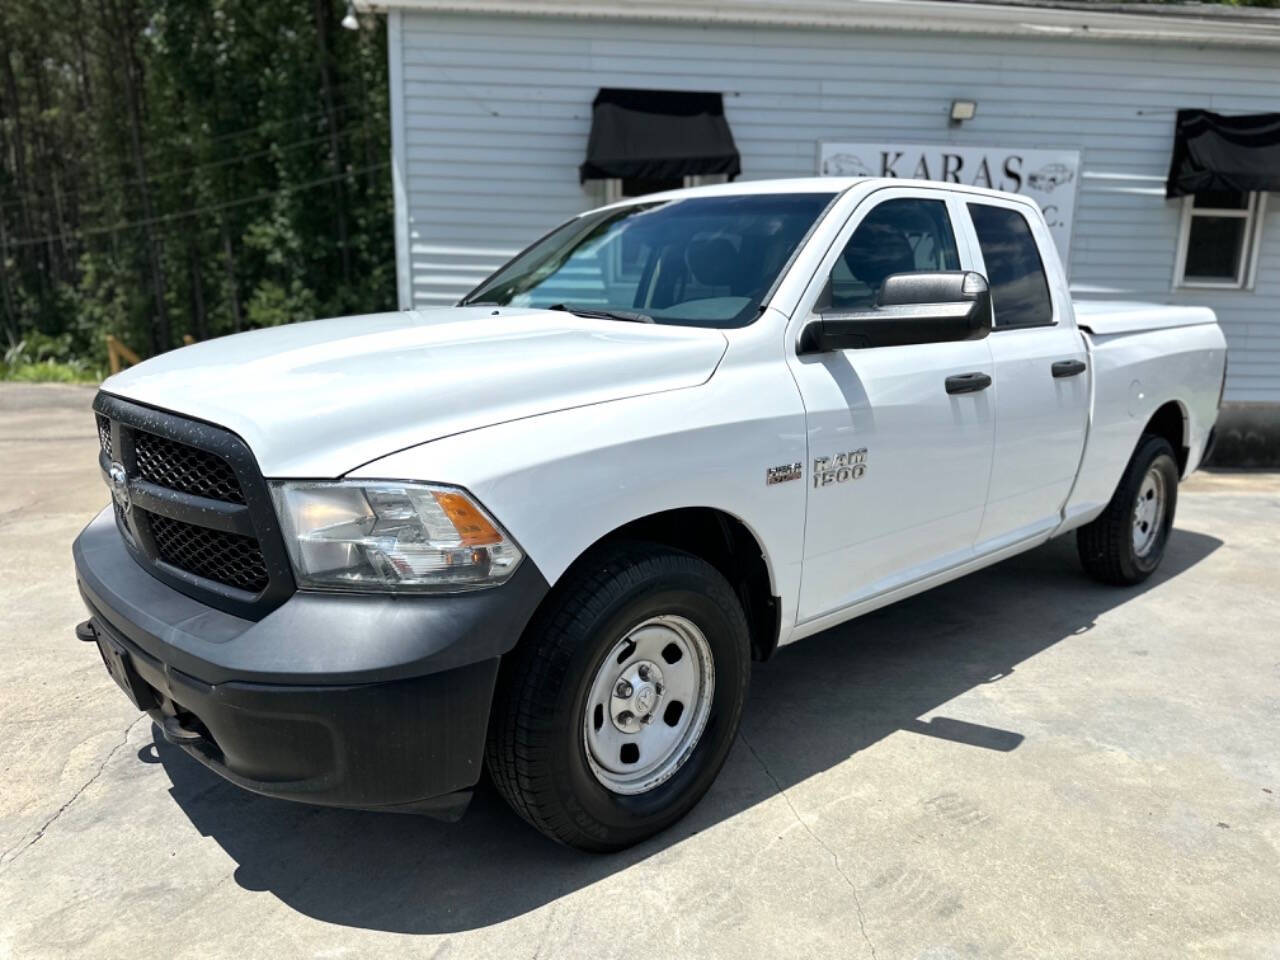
x,y
1068,368
968,382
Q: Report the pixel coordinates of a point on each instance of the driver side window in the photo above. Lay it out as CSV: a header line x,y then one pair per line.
x,y
906,235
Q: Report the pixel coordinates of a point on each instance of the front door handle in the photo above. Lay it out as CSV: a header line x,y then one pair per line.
x,y
968,382
1068,368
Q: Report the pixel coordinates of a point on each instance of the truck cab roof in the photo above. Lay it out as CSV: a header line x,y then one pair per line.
x,y
830,185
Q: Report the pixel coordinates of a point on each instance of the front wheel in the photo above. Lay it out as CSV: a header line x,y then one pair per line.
x,y
1126,543
618,708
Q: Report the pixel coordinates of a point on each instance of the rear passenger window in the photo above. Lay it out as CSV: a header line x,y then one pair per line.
x,y
1019,288
906,235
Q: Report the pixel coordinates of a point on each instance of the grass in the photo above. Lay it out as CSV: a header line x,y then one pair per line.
x,y
50,371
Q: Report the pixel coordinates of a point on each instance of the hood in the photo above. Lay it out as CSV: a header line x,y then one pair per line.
x,y
319,399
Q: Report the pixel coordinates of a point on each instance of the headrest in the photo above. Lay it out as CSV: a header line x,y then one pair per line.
x,y
713,261
877,251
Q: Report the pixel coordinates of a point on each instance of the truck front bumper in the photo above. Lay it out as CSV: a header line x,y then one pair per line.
x,y
366,701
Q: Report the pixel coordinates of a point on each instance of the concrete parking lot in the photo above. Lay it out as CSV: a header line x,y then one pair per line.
x,y
1022,763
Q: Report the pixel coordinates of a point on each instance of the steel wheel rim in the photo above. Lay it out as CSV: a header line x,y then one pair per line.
x,y
661,669
1148,511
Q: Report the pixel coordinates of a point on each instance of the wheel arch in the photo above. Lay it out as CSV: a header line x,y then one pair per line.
x,y
1172,421
727,543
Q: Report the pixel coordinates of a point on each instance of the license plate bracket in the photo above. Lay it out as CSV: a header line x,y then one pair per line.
x,y
120,665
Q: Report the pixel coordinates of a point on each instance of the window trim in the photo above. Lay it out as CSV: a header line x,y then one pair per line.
x,y
1253,214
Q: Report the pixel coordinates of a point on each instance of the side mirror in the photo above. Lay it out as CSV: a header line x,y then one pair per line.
x,y
912,308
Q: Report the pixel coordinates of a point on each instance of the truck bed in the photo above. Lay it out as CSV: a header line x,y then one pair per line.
x,y
1104,317
1145,356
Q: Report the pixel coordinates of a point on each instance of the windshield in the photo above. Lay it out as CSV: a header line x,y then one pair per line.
x,y
696,261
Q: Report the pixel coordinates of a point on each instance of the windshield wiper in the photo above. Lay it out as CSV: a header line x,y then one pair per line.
x,y
630,316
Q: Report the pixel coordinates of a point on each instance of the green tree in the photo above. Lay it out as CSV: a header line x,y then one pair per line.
x,y
174,168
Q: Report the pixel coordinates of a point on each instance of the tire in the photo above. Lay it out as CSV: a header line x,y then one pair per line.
x,y
1117,547
550,715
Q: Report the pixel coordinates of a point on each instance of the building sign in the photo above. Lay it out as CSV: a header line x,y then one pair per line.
x,y
1047,176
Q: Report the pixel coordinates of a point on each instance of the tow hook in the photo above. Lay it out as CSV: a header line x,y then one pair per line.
x,y
179,735
87,632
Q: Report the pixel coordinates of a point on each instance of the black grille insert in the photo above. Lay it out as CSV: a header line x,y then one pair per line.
x,y
180,467
104,434
225,557
122,522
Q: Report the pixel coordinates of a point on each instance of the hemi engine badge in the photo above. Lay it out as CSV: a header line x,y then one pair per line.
x,y
783,473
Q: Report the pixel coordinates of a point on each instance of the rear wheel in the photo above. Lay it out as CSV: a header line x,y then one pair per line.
x,y
618,708
1126,543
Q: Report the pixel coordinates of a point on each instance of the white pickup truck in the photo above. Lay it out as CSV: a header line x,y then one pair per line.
x,y
350,561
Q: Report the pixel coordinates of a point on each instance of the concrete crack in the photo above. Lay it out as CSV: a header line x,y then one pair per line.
x,y
835,857
15,852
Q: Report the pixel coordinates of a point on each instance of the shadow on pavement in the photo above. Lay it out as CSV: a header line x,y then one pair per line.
x,y
813,706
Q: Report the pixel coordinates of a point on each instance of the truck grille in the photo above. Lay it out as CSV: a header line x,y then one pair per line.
x,y
228,552
180,467
225,557
104,433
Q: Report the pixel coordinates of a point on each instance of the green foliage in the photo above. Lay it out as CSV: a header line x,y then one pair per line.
x,y
186,167
42,358
50,371
272,304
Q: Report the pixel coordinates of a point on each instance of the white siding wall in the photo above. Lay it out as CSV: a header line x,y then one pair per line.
x,y
496,113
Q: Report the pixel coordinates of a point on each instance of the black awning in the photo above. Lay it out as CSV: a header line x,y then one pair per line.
x,y
658,135
1212,152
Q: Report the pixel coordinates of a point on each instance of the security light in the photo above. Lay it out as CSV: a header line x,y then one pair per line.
x,y
352,23
962,110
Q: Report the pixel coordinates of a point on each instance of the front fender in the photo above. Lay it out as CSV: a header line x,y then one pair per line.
x,y
560,482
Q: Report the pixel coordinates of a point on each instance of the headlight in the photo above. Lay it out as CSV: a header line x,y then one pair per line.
x,y
413,537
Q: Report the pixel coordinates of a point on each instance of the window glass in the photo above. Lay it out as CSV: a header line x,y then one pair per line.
x,y
698,261
1215,247
1219,232
1019,287
906,235
1222,200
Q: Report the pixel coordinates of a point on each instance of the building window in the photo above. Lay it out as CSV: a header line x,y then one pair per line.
x,y
1218,242
616,189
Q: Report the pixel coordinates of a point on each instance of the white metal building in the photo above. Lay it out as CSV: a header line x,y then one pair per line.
x,y
492,110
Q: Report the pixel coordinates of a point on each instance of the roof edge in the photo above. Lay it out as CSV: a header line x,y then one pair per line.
x,y
1166,25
